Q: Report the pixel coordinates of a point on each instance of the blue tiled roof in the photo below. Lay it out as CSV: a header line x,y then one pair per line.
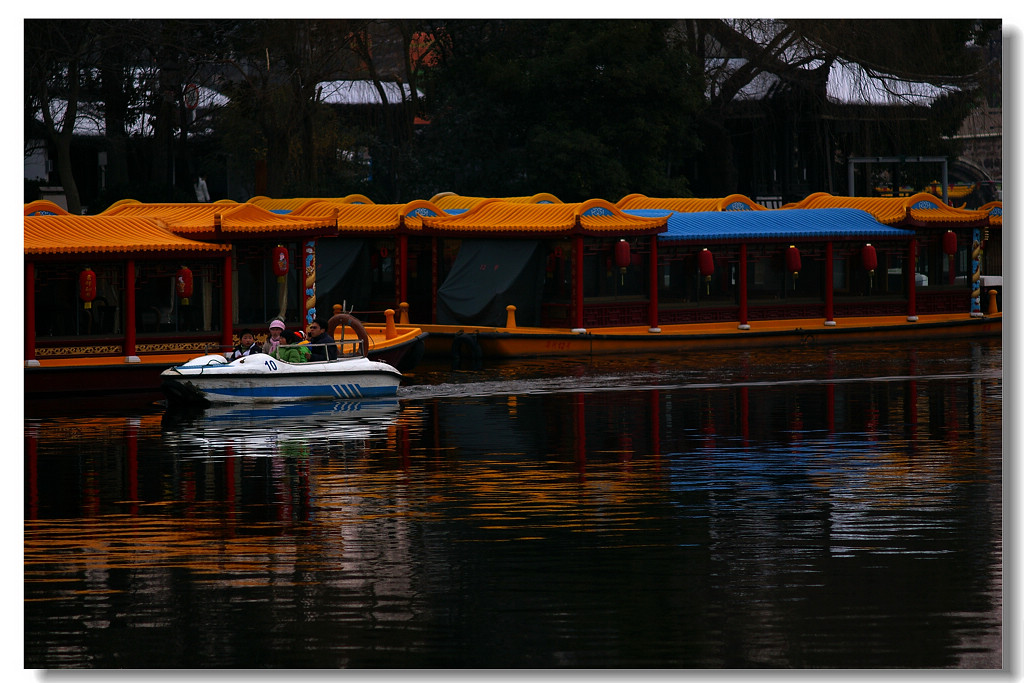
x,y
777,224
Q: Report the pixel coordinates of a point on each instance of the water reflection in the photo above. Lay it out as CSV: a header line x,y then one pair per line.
x,y
288,430
830,508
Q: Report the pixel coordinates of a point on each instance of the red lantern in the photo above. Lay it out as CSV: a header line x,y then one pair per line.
x,y
183,284
87,286
949,248
706,260
869,258
793,260
949,243
279,257
707,264
622,258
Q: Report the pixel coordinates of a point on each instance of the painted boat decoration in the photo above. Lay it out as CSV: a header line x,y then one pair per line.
x,y
260,378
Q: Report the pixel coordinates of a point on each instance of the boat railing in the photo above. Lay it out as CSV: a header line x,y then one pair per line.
x,y
354,347
345,347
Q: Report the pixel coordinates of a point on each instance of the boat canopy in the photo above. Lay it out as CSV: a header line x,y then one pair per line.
x,y
775,225
217,221
449,200
734,202
295,204
995,213
119,236
499,218
376,219
920,210
44,207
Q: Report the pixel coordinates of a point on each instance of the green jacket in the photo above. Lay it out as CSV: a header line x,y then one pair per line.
x,y
291,353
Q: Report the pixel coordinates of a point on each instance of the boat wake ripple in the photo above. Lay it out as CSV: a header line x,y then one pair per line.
x,y
643,382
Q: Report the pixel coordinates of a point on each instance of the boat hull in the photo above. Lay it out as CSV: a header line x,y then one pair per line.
x,y
56,378
465,343
262,379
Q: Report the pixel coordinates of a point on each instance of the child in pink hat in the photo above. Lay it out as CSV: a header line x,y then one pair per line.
x,y
275,339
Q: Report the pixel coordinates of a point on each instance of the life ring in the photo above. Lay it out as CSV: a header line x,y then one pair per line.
x,y
466,345
357,327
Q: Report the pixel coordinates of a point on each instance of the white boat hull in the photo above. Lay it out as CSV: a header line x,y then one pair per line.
x,y
260,378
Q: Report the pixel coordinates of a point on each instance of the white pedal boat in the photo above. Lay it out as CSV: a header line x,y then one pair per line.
x,y
260,378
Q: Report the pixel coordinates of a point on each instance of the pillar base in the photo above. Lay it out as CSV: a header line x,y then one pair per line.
x,y
578,330
977,314
911,318
830,323
654,330
132,359
743,326
32,363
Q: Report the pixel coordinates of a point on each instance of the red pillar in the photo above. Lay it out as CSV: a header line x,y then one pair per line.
x,y
30,311
744,325
226,314
129,308
653,298
577,281
829,279
912,282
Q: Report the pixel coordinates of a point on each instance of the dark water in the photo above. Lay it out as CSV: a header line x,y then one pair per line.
x,y
836,508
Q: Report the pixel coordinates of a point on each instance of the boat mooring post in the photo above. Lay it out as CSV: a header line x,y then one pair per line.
x,y
389,324
510,316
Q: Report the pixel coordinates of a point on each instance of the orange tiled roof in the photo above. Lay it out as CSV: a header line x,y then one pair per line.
x,y
734,202
995,213
952,191
116,235
372,218
291,205
926,209
219,221
921,209
450,200
497,217
44,207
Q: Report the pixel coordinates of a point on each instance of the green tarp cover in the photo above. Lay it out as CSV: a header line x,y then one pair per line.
x,y
342,273
489,275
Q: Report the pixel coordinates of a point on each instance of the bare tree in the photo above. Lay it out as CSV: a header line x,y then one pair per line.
x,y
56,62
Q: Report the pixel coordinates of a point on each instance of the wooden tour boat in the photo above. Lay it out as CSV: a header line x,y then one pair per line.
x,y
112,300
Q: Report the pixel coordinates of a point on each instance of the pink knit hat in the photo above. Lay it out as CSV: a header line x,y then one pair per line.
x,y
278,324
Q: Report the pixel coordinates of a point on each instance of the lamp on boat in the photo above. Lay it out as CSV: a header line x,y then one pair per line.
x,y
87,286
183,284
793,262
279,256
622,258
706,261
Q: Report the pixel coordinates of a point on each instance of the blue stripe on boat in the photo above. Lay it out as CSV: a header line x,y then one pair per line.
x,y
298,392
